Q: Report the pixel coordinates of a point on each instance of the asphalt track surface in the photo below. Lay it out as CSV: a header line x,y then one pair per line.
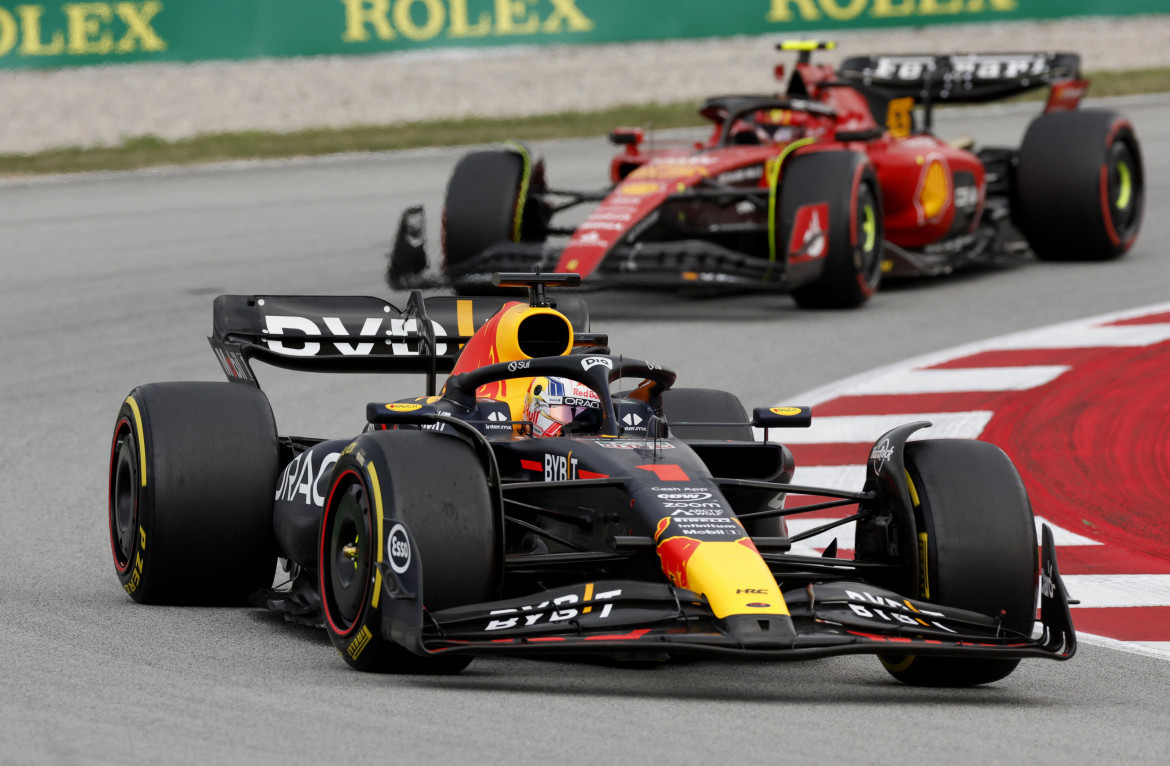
x,y
107,282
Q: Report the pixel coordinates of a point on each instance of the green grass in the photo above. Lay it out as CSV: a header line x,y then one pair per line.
x,y
152,151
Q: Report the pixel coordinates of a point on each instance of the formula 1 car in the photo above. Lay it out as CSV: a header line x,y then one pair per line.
x,y
525,508
818,191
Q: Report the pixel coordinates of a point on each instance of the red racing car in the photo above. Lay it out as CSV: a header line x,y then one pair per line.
x,y
818,192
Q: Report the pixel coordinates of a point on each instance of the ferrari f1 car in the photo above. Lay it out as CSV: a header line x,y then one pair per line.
x,y
818,191
529,507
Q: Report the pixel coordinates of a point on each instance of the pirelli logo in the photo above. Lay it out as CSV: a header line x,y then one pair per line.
x,y
359,643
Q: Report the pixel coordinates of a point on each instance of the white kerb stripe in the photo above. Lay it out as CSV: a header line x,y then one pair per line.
x,y
847,477
915,381
1098,591
1091,337
835,389
852,429
845,536
1061,536
1159,648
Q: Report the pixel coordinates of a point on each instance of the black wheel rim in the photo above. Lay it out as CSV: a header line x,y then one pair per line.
x,y
347,560
1123,188
124,497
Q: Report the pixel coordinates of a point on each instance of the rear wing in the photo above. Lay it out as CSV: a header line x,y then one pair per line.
x,y
318,333
960,78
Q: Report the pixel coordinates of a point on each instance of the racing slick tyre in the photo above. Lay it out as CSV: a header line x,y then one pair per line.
x,y
977,548
706,405
1080,187
490,199
436,486
192,471
830,211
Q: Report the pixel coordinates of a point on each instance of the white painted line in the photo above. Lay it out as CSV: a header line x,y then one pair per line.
x,y
1127,336
865,429
1099,591
957,380
1157,649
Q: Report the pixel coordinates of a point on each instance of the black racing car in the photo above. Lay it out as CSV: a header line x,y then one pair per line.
x,y
533,505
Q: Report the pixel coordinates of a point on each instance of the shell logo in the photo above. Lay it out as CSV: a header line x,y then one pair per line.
x,y
788,411
669,172
400,407
640,188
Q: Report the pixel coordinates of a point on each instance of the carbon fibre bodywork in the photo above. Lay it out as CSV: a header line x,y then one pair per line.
x,y
627,539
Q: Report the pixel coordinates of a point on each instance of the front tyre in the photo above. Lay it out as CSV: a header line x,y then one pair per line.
x,y
192,471
977,548
492,197
830,226
436,486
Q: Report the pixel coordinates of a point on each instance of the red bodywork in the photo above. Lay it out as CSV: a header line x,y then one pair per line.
x,y
931,191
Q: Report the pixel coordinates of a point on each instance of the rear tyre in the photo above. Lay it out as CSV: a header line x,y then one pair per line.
x,y
490,199
980,550
709,405
1080,186
192,472
842,187
435,485
706,405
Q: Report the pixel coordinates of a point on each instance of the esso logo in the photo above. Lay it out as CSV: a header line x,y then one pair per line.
x,y
398,546
403,407
590,362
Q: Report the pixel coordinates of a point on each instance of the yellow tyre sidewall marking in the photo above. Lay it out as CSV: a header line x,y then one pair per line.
x,y
376,491
141,439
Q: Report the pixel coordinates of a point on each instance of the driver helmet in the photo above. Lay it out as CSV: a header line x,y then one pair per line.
x,y
778,125
556,405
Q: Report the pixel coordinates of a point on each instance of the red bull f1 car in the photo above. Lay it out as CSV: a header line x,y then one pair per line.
x,y
819,191
536,505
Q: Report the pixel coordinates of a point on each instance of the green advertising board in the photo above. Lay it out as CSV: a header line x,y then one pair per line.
x,y
52,33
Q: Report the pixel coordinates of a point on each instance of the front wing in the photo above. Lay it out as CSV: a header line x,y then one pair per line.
x,y
633,617
671,265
